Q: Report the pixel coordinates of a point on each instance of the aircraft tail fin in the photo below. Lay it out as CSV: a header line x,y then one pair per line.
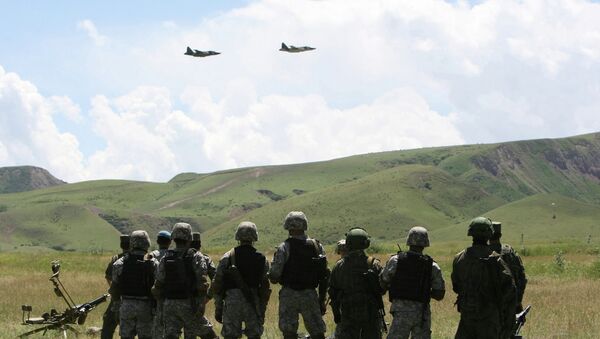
x,y
189,51
284,46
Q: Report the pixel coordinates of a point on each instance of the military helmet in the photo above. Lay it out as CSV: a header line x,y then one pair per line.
x,y
196,236
417,236
182,231
164,235
295,220
341,247
246,231
480,227
140,240
357,239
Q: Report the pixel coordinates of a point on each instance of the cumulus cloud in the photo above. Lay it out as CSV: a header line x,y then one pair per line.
x,y
90,28
28,133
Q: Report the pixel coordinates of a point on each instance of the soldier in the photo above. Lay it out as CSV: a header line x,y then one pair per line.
x,y
355,292
110,319
205,324
341,249
181,283
412,279
163,239
300,266
514,263
486,292
133,276
241,287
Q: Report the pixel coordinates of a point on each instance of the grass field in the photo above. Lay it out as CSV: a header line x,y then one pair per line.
x,y
563,291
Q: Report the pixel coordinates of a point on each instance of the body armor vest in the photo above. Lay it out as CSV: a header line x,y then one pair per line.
x,y
137,277
251,266
301,270
179,275
412,280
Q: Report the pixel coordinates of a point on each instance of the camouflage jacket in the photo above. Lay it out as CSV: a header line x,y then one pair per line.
x,y
515,264
281,256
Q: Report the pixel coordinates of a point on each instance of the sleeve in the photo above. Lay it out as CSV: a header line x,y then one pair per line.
x,y
159,279
279,259
210,267
216,288
520,278
388,272
114,289
201,272
437,279
454,276
108,271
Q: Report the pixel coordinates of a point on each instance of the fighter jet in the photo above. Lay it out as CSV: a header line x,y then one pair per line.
x,y
294,49
200,54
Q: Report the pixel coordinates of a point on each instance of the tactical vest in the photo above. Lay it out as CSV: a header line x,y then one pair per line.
x,y
412,280
300,271
137,277
250,264
180,280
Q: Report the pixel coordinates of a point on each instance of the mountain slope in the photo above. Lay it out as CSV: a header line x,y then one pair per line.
x,y
387,192
25,178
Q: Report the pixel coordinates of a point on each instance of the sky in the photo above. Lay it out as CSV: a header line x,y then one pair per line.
x,y
101,89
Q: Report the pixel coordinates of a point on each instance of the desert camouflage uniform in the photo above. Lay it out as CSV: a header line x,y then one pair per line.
x,y
294,302
136,315
484,312
236,308
357,303
178,313
206,327
159,328
411,318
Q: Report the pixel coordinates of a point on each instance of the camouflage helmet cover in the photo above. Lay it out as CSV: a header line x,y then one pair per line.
x,y
480,227
341,247
295,220
418,236
140,240
357,239
182,231
246,231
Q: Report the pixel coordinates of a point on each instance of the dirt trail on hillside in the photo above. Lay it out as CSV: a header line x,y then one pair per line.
x,y
255,173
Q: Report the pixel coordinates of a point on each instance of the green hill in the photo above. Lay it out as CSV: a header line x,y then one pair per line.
x,y
387,192
25,178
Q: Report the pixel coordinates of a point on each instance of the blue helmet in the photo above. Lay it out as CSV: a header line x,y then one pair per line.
x,y
164,234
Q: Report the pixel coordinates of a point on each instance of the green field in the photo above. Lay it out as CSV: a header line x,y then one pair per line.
x,y
563,295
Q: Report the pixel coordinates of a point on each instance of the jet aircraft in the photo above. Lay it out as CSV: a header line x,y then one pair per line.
x,y
294,49
200,54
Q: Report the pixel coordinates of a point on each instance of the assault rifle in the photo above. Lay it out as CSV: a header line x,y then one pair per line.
x,y
60,321
520,321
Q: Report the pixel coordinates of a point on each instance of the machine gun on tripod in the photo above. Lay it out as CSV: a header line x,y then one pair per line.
x,y
60,321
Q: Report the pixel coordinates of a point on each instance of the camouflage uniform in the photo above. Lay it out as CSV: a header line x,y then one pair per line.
x,y
293,302
412,318
486,292
136,312
349,288
185,312
236,308
110,318
159,328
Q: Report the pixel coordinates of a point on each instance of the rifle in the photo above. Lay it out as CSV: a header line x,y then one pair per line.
x,y
372,279
519,322
54,320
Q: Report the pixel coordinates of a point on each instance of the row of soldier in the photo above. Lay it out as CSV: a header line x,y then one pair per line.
x,y
159,294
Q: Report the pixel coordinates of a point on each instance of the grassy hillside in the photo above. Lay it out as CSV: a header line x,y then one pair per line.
x,y
387,192
25,178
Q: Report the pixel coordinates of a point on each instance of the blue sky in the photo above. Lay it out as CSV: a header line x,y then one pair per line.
x,y
103,90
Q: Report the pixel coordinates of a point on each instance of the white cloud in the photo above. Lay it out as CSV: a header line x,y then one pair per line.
x,y
90,28
28,134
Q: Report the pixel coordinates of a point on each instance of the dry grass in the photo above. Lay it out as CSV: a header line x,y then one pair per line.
x,y
565,305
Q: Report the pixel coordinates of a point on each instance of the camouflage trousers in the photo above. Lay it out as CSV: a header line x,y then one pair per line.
x,y
159,325
292,303
488,328
136,318
110,320
238,310
412,319
178,314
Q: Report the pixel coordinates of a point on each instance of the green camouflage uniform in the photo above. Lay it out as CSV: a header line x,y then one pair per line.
x,y
350,290
411,318
178,313
292,302
486,293
517,269
136,315
237,309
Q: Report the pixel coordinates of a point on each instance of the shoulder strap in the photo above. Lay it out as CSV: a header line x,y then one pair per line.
x,y
232,257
